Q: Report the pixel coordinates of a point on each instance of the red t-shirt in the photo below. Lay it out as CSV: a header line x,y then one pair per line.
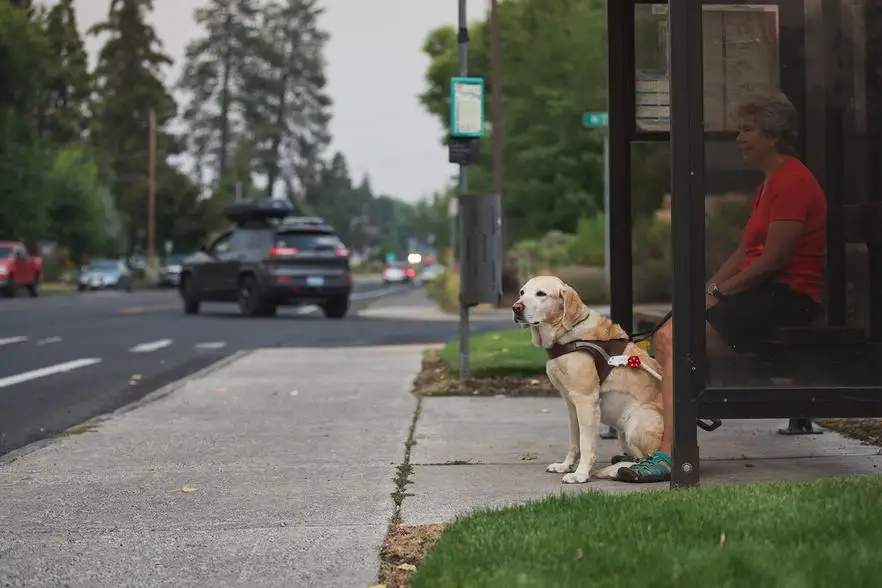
x,y
792,193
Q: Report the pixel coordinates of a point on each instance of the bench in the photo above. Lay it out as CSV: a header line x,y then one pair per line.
x,y
800,355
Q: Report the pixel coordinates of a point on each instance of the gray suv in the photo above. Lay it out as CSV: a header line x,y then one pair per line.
x,y
269,258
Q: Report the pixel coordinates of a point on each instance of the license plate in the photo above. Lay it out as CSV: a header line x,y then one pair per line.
x,y
315,281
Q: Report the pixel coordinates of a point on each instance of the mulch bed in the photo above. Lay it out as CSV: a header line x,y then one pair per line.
x,y
435,379
867,431
404,548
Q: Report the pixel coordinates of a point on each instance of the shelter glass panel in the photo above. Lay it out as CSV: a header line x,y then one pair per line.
x,y
837,345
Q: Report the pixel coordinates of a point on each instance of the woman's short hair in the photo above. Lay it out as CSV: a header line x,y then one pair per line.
x,y
776,116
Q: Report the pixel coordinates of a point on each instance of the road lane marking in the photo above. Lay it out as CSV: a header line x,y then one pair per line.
x,y
51,370
150,308
49,340
11,340
211,345
151,346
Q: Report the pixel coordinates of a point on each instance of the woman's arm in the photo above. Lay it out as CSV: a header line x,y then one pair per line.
x,y
782,238
729,267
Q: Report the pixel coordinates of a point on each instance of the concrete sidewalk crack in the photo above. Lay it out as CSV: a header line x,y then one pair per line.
x,y
405,469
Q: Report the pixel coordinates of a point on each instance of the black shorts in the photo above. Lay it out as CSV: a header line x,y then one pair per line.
x,y
748,317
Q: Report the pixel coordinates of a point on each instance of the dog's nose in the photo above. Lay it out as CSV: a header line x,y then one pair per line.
x,y
518,307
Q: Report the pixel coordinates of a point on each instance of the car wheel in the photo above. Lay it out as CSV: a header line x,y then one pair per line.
x,y
128,287
251,302
9,290
34,289
336,307
191,299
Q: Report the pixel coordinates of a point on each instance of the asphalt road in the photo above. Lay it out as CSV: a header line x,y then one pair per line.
x,y
67,358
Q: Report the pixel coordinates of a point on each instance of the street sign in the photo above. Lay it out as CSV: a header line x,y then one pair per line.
x,y
466,107
595,120
453,207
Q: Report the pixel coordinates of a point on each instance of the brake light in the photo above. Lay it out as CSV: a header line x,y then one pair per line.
x,y
410,272
282,251
341,252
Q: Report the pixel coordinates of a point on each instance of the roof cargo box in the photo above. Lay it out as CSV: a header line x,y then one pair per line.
x,y
263,209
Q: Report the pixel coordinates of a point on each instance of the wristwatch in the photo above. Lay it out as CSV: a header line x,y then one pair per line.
x,y
714,290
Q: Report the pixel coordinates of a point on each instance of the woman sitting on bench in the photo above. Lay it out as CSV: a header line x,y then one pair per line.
x,y
774,277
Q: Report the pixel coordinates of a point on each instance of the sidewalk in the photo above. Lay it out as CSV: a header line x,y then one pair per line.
x,y
277,468
273,470
477,451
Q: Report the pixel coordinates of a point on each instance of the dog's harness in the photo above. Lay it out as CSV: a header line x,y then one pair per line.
x,y
606,354
601,352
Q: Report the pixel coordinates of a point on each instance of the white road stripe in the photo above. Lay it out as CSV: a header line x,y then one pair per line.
x,y
151,346
11,340
49,340
211,345
51,370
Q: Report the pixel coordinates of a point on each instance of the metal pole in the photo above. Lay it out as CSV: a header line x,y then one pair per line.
x,y
463,38
151,187
606,215
496,97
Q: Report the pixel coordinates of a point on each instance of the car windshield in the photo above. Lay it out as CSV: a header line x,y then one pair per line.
x,y
175,259
5,252
308,241
396,265
102,265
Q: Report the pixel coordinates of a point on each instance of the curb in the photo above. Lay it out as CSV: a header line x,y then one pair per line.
x,y
143,401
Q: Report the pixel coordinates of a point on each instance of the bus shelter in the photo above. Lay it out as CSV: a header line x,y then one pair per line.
x,y
677,72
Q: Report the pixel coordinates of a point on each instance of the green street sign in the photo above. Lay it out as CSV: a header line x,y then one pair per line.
x,y
595,120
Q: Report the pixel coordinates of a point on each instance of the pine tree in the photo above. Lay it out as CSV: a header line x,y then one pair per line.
x,y
64,109
129,84
289,114
213,80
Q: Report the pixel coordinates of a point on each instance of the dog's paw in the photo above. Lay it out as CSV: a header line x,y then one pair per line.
x,y
576,478
560,468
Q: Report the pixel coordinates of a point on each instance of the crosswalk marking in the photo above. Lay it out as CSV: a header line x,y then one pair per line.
x,y
49,340
51,370
151,346
11,340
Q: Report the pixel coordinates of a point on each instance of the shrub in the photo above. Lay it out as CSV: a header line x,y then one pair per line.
x,y
589,282
587,247
444,289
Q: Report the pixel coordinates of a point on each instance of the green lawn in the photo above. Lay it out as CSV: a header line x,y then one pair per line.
x,y
824,533
504,353
57,288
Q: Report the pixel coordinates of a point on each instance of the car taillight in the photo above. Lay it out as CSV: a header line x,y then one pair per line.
x,y
410,272
341,252
282,251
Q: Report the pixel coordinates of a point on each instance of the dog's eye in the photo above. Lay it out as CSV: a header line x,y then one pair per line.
x,y
521,292
541,293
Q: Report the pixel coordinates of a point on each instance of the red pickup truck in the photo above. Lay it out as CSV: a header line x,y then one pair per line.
x,y
18,269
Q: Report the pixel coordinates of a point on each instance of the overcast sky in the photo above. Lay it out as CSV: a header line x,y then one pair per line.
x,y
375,72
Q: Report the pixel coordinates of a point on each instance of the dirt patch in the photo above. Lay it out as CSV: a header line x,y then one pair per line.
x,y
78,430
868,431
405,547
435,380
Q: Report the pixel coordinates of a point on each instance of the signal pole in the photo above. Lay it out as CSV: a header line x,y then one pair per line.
x,y
151,187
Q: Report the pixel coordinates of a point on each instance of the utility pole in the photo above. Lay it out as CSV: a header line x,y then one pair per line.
x,y
496,96
151,187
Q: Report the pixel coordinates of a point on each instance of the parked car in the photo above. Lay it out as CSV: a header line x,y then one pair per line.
x,y
19,269
106,274
430,272
270,258
170,273
398,272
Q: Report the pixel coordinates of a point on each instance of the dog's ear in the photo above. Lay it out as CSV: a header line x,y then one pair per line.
x,y
572,307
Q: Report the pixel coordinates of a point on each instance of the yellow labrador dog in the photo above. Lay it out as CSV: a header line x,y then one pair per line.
x,y
621,396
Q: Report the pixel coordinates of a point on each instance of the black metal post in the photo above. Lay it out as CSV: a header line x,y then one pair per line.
x,y
873,36
620,34
687,228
